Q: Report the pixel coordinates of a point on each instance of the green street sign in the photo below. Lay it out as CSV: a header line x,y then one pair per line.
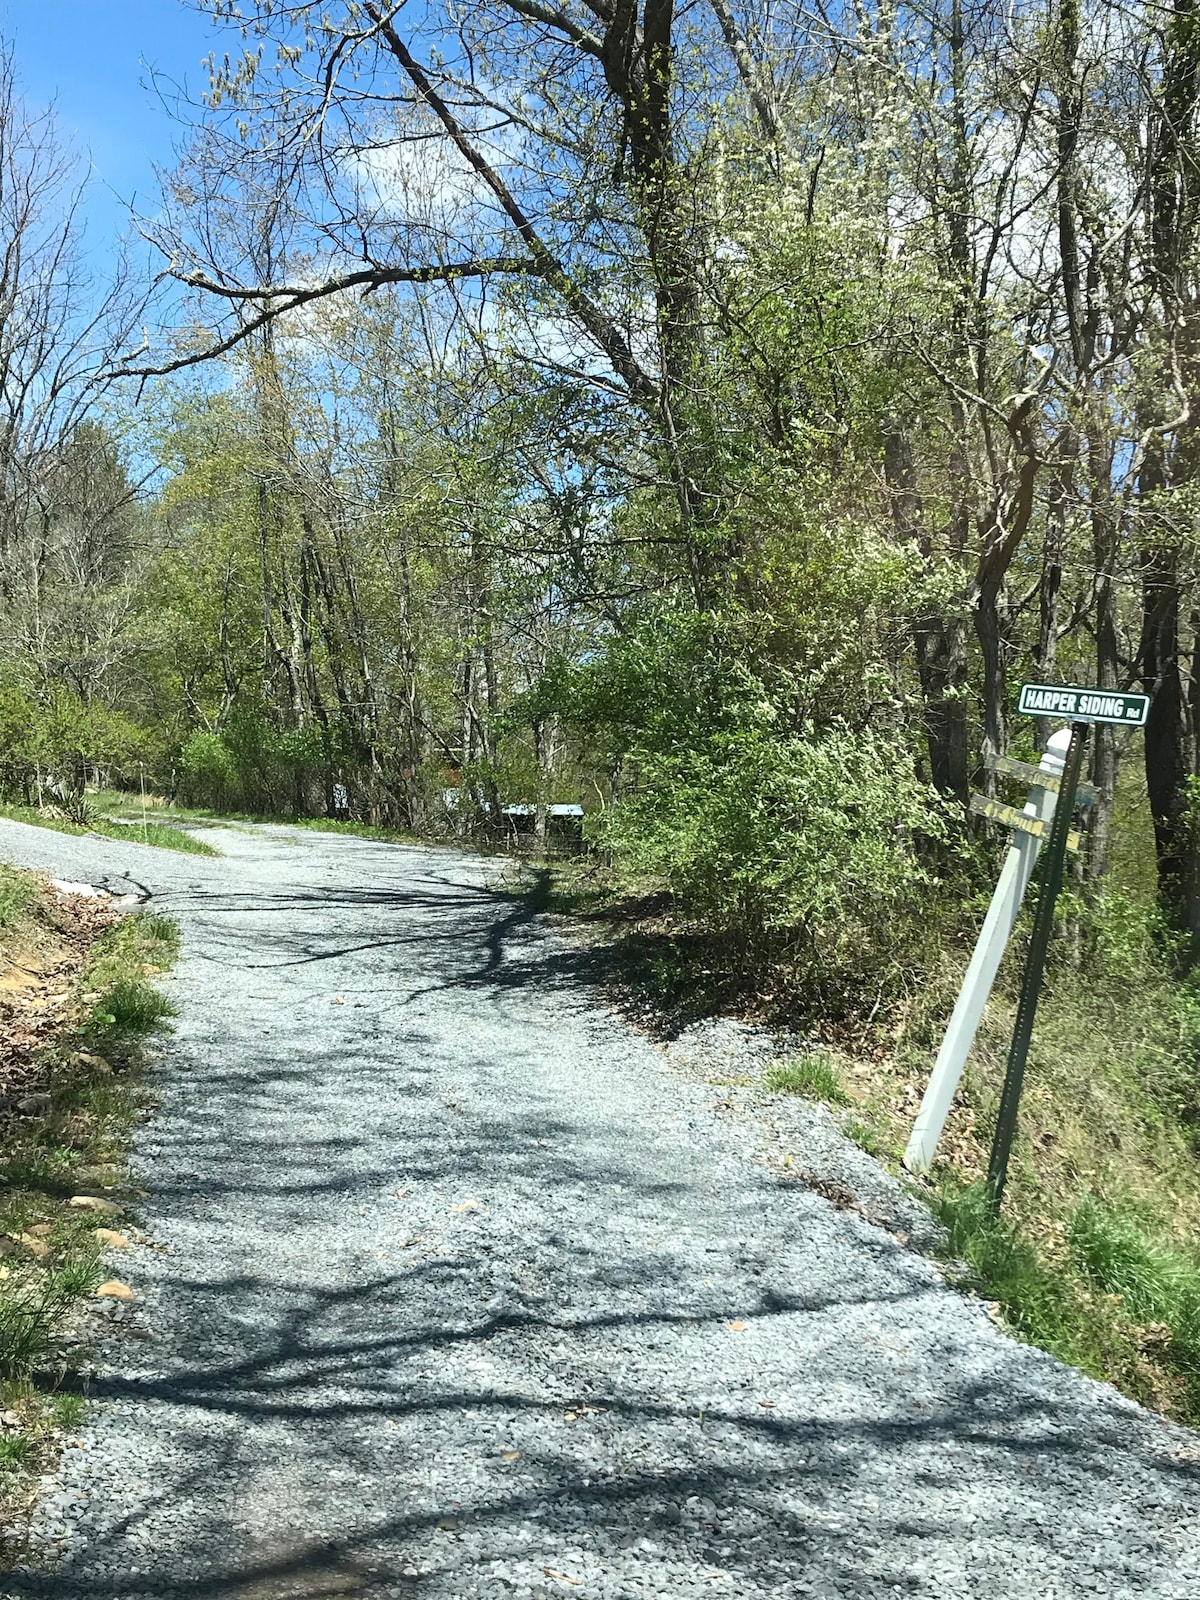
x,y
1084,705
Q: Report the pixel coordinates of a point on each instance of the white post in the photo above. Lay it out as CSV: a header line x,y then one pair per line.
x,y
985,962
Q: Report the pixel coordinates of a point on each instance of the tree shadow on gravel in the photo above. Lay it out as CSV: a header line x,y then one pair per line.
x,y
751,1490
789,1507
734,1379
456,936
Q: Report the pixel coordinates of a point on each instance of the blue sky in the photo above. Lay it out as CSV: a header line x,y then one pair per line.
x,y
95,58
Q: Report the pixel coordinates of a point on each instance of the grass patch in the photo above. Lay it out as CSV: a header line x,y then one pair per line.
x,y
1156,1283
1108,1296
873,1132
127,1006
14,1451
18,896
131,1006
1000,1263
356,830
814,1075
157,834
89,1092
29,1319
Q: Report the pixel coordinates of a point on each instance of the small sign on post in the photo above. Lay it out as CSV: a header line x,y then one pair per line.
x,y
1084,705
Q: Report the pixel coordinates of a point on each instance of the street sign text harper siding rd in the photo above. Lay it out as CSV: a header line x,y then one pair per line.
x,y
1084,705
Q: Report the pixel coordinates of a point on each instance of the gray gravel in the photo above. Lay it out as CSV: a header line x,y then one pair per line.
x,y
457,1287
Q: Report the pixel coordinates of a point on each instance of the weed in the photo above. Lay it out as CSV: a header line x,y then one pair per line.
x,y
14,1451
28,1320
101,1100
155,929
68,1410
131,1006
76,1278
18,1213
814,1075
872,1135
37,1166
17,896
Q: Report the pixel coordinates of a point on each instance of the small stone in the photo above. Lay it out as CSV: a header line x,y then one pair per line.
x,y
114,1290
93,1202
41,1229
37,1247
10,1419
86,1058
110,1238
31,1103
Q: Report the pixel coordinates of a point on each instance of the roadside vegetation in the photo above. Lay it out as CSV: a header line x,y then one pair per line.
x,y
164,812
77,1002
160,834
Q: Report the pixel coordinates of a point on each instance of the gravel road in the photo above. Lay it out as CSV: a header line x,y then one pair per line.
x,y
457,1288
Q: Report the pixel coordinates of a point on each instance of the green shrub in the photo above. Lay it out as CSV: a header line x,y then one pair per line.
x,y
776,841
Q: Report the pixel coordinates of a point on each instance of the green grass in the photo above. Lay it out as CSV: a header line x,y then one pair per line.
x,y
18,896
1121,1301
29,1320
68,1410
128,1006
1157,1280
37,1166
129,810
160,835
1003,1265
14,1451
78,1277
131,1006
873,1133
815,1076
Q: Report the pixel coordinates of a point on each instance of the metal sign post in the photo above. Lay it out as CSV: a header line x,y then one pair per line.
x,y
1083,707
1035,965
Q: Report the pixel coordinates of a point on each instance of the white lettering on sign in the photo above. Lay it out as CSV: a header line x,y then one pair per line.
x,y
1084,705
1050,700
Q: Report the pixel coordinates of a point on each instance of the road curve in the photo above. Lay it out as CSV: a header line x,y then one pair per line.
x,y
456,1290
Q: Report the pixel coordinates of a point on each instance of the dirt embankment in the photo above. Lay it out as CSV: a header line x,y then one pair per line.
x,y
44,946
